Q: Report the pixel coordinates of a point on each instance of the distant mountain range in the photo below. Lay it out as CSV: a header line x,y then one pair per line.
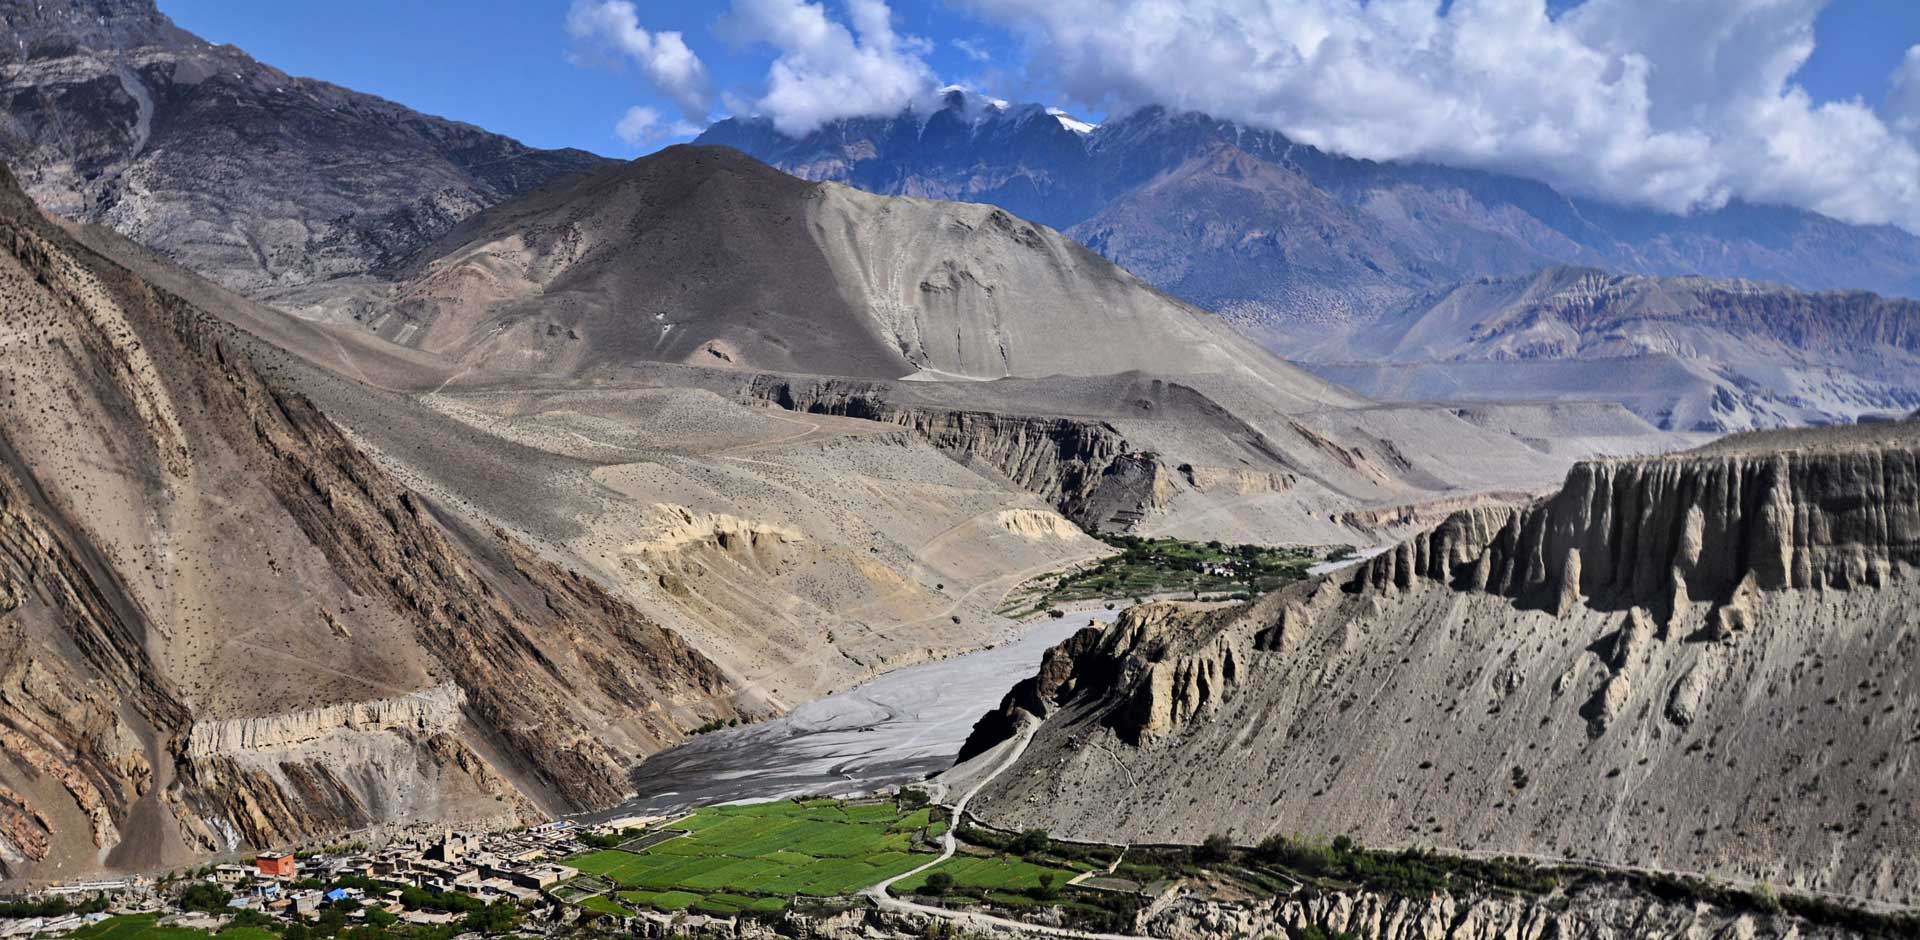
x,y
1682,352
1334,260
1275,233
258,179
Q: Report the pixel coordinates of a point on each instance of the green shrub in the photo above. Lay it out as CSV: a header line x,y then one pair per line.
x,y
1213,850
1307,858
1032,842
205,896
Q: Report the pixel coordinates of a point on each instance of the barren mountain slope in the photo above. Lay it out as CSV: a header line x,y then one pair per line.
x,y
258,179
227,626
1700,663
1120,406
802,554
704,256
1705,354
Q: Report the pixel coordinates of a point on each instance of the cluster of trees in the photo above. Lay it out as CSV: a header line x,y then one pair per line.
x,y
52,907
611,840
1412,871
205,896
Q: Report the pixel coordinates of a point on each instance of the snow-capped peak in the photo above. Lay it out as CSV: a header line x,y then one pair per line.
x,y
1070,122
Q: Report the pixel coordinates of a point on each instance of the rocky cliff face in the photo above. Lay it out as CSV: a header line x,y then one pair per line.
x,y
1084,467
255,178
1657,533
1695,663
226,626
1586,913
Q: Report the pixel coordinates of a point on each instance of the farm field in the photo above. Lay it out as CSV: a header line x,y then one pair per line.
x,y
1148,566
144,927
989,873
756,857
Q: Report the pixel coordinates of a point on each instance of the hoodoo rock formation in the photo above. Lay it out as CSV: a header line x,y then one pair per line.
x,y
1695,663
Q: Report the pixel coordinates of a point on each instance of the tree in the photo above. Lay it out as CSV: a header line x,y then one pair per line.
x,y
381,917
1213,850
205,896
1307,858
1032,842
248,918
939,883
498,917
1044,891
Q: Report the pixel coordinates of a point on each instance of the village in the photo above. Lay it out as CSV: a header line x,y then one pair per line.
x,y
464,881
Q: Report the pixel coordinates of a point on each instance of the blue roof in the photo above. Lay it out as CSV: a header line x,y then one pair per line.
x,y
337,894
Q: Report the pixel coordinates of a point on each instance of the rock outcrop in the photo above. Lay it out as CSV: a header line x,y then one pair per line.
x,y
421,713
1084,467
1587,912
1148,660
1633,533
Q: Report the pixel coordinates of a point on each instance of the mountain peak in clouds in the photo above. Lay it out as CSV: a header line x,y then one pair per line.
x,y
1281,235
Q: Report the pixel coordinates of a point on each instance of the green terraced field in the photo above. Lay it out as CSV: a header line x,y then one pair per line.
x,y
999,872
137,927
756,857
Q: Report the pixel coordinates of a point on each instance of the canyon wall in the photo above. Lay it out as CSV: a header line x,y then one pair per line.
x,y
1085,467
1699,663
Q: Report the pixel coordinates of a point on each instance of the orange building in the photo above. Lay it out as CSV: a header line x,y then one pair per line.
x,y
275,865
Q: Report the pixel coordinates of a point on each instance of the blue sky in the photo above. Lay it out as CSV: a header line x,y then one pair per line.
x,y
1676,104
504,66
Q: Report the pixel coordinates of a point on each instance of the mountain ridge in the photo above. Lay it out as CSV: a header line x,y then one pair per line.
x,y
1713,355
1399,226
261,180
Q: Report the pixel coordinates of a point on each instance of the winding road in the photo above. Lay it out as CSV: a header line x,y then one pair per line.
x,y
949,845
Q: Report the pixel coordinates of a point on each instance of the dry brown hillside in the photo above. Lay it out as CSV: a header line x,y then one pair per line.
x,y
226,626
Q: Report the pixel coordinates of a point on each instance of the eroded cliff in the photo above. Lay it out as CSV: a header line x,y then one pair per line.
x,y
1699,663
1085,467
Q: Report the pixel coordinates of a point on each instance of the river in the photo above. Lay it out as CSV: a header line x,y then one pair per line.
x,y
892,729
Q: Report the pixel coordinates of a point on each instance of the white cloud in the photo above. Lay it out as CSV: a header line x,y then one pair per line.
x,y
1903,97
610,29
1677,104
643,126
822,70
972,49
